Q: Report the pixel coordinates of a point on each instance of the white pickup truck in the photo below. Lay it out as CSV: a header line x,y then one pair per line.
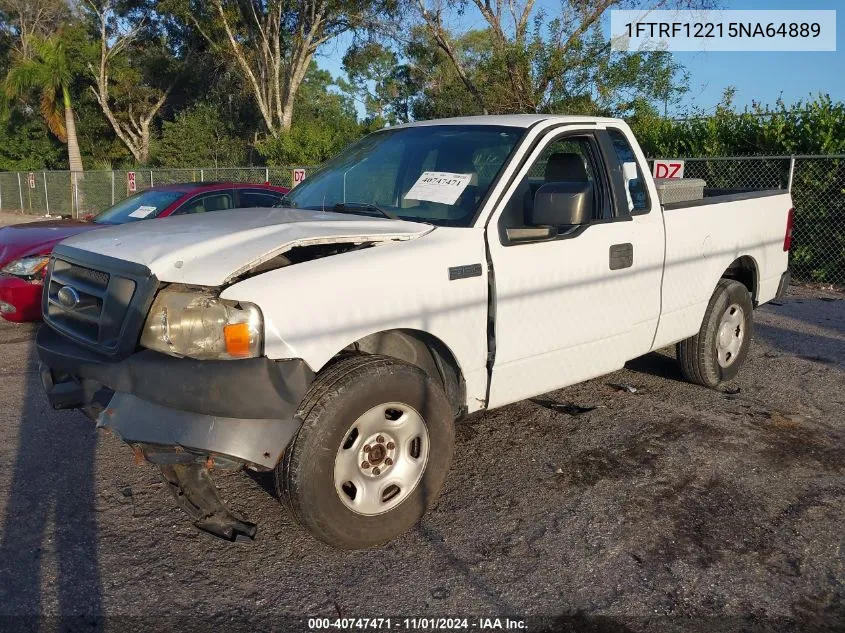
x,y
429,271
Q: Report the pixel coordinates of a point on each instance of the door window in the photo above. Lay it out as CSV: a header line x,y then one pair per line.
x,y
205,203
567,158
631,172
249,198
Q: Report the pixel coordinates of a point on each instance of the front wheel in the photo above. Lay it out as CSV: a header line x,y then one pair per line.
x,y
372,454
716,353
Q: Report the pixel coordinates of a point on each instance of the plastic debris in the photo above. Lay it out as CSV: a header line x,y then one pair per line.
x,y
623,387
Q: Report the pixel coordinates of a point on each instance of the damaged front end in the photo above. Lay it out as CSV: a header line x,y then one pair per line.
x,y
226,407
185,416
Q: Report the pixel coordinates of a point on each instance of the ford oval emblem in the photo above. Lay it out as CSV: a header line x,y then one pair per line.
x,y
69,298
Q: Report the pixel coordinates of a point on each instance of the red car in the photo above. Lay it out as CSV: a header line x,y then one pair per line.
x,y
25,248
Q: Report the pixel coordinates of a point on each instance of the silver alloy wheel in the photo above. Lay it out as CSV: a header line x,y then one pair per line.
x,y
382,458
730,335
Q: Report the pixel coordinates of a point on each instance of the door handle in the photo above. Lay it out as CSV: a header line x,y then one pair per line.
x,y
621,256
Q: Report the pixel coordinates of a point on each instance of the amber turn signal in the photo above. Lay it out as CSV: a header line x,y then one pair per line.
x,y
237,339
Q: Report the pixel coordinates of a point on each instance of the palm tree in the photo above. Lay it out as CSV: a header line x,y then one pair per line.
x,y
47,71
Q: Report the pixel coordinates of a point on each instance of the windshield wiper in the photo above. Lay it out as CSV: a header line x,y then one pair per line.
x,y
359,207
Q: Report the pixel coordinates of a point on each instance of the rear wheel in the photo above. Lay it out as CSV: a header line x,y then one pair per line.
x,y
372,454
717,352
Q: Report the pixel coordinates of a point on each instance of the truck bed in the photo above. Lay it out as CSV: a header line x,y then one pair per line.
x,y
718,196
702,242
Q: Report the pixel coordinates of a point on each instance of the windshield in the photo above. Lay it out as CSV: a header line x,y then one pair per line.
x,y
437,174
141,206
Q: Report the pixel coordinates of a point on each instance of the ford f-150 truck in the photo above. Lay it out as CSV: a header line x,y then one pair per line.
x,y
429,271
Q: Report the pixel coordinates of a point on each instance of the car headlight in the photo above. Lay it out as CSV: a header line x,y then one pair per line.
x,y
27,266
200,325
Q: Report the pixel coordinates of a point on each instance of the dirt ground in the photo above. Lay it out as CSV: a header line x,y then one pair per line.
x,y
592,508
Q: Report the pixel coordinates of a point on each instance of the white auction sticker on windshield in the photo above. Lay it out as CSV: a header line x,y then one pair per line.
x,y
439,186
142,212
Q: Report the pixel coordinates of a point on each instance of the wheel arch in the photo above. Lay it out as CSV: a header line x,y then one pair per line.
x,y
744,269
419,348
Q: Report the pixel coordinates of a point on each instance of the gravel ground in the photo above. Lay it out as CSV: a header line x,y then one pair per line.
x,y
672,508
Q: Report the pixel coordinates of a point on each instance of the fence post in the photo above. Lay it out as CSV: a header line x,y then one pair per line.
x,y
20,190
1,196
112,187
46,195
151,179
791,173
75,194
267,175
202,175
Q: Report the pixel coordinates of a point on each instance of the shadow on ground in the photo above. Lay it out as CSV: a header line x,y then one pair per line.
x,y
48,553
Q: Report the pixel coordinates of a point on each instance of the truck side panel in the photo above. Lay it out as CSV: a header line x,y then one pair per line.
x,y
703,241
436,284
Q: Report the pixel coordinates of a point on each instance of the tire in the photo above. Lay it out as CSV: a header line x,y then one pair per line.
x,y
717,352
408,428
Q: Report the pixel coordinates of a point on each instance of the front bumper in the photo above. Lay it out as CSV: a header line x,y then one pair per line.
x,y
20,300
180,410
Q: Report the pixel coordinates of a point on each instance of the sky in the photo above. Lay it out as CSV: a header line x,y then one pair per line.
x,y
757,76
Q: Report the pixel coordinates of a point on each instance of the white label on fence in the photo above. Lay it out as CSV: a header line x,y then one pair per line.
x,y
298,176
439,186
142,212
31,178
130,181
668,169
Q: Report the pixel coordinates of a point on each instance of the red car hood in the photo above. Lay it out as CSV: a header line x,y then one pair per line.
x,y
38,238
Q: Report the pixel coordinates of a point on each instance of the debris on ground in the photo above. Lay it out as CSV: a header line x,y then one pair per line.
x,y
570,408
623,387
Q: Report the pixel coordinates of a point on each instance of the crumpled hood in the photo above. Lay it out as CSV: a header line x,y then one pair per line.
x,y
36,238
212,248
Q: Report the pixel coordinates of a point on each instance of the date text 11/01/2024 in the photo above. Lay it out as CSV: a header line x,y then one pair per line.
x,y
720,29
416,624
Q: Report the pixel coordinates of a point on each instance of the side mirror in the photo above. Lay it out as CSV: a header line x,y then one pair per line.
x,y
565,203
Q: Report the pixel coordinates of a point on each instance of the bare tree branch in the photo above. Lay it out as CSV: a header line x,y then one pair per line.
x,y
133,131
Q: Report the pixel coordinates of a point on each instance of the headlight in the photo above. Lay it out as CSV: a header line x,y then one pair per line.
x,y
27,266
200,325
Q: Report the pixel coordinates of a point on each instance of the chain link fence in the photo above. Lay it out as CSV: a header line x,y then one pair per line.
x,y
817,184
76,194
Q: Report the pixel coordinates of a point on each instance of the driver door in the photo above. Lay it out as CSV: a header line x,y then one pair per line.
x,y
582,302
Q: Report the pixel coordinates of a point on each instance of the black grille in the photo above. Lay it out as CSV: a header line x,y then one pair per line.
x,y
101,307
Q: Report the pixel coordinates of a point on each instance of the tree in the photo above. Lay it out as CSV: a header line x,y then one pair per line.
x,y
441,91
48,73
199,137
273,42
26,144
537,65
385,86
130,61
27,19
326,122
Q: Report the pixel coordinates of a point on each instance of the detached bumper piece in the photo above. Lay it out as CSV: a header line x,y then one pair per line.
x,y
783,286
195,493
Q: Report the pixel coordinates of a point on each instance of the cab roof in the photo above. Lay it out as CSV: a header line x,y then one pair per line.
x,y
511,120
